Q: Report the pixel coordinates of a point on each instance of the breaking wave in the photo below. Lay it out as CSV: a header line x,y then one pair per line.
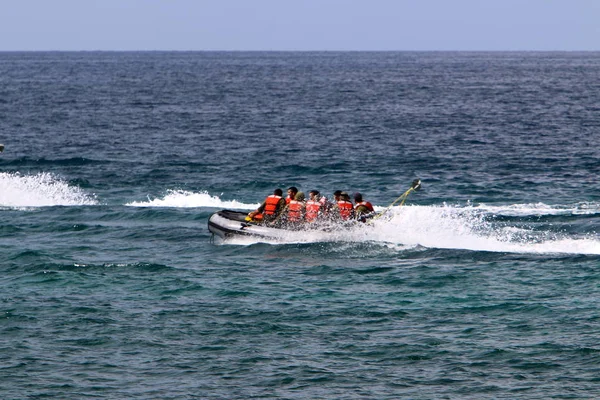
x,y
183,198
40,190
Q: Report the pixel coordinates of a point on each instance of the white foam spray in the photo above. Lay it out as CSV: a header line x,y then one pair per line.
x,y
444,227
470,228
40,190
183,198
541,209
449,227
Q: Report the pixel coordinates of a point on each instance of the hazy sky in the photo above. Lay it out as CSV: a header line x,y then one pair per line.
x,y
299,25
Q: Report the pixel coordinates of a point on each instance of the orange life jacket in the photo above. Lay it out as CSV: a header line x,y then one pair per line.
x,y
366,204
271,204
345,208
295,209
312,210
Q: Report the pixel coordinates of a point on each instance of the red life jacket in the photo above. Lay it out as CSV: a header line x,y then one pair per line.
x,y
366,204
312,210
295,209
271,204
345,208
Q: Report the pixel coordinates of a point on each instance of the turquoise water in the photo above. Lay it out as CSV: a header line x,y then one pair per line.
x,y
484,285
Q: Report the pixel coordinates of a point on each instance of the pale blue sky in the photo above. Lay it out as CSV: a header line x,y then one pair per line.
x,y
300,25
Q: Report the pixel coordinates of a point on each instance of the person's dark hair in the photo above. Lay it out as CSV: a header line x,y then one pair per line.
x,y
357,197
337,193
293,189
278,192
314,192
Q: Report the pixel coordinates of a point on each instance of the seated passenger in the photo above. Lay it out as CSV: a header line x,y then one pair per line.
x,y
294,211
316,206
343,208
291,194
270,209
337,196
362,209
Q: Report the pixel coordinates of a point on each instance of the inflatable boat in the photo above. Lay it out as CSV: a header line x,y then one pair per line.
x,y
228,223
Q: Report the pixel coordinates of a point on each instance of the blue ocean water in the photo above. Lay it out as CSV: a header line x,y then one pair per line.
x,y
484,285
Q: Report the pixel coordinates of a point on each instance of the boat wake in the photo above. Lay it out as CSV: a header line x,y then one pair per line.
x,y
40,190
541,209
515,228
477,228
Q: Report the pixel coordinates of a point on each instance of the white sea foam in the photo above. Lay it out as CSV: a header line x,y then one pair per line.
x,y
465,228
540,209
445,227
40,190
183,198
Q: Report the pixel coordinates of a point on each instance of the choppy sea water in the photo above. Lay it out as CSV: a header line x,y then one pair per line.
x,y
484,285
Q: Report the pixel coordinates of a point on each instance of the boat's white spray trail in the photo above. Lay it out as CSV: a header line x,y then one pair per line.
x,y
450,227
40,190
470,227
541,209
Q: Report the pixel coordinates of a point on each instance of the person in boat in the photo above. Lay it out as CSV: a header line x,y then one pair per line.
x,y
316,206
337,196
270,209
343,208
363,210
293,213
291,194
